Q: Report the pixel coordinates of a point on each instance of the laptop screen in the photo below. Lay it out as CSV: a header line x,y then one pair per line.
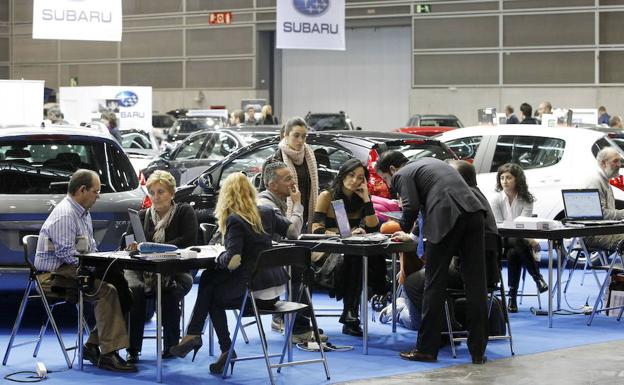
x,y
582,204
137,226
341,218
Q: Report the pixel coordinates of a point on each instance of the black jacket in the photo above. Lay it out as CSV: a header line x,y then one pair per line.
x,y
182,230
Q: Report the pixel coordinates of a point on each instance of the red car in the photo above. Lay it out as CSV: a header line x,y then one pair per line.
x,y
430,125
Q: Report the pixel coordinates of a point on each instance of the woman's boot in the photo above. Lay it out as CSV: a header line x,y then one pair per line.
x,y
512,306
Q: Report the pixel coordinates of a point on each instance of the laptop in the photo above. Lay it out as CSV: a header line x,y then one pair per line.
x,y
582,207
137,226
149,250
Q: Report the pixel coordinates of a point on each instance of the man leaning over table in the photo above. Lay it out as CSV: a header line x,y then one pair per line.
x,y
67,232
609,163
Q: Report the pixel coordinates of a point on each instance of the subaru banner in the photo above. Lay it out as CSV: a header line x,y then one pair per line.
x,y
99,20
311,24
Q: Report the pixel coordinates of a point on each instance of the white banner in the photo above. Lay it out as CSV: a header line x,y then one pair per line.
x,y
77,20
311,24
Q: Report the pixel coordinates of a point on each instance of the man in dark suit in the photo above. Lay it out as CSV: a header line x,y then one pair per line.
x,y
453,225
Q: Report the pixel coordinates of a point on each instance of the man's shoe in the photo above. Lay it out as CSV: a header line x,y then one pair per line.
x,y
132,356
352,329
91,352
306,337
415,355
479,360
113,362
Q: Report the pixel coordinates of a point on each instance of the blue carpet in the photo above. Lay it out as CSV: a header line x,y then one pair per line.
x,y
531,335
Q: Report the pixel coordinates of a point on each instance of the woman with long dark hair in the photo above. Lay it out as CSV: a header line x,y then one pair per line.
x,y
350,186
513,201
246,230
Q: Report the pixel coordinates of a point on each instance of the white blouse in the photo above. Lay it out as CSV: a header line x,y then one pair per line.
x,y
506,211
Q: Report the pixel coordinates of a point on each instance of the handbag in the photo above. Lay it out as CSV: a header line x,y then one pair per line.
x,y
325,274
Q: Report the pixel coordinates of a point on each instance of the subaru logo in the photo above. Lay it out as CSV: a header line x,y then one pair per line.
x,y
127,98
311,7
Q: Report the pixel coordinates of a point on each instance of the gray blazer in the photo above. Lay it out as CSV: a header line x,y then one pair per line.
x,y
435,188
600,181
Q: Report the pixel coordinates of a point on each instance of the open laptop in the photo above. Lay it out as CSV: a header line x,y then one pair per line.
x,y
137,226
582,206
149,250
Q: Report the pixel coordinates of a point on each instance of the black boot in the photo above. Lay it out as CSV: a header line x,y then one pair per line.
x,y
350,316
512,306
542,286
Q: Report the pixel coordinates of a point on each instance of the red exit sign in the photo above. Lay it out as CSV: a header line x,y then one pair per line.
x,y
220,18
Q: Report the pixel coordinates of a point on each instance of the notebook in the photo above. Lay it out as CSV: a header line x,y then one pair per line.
x,y
582,206
156,253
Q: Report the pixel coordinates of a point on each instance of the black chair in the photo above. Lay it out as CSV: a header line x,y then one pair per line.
x,y
292,256
611,269
495,286
30,248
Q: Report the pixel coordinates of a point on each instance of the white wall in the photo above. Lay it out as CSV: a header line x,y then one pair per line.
x,y
370,81
464,102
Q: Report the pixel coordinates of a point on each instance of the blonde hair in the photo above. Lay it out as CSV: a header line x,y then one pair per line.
x,y
163,177
265,110
238,196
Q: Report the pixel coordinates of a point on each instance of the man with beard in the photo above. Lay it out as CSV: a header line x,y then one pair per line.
x,y
609,163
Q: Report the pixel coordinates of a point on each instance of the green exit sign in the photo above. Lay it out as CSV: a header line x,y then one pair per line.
x,y
423,8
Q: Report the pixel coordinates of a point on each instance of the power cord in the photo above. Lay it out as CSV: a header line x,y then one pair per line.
x,y
33,378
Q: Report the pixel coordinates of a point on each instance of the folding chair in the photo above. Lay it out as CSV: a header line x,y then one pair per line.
x,y
499,287
208,230
30,248
521,293
273,258
610,269
583,254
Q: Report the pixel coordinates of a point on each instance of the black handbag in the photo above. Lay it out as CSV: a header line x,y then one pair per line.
x,y
325,275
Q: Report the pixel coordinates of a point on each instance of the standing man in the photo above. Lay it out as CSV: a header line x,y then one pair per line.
x,y
603,117
453,225
67,232
526,114
281,186
250,118
509,113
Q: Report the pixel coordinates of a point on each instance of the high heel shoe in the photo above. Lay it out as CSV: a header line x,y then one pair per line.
x,y
219,364
542,286
189,342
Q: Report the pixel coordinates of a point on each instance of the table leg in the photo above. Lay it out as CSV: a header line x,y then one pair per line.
x,y
364,303
550,282
80,327
394,289
287,317
158,328
559,259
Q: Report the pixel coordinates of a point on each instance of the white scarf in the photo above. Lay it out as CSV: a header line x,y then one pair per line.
x,y
161,224
293,157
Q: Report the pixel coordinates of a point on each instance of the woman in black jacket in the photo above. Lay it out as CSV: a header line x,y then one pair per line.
x,y
164,222
247,230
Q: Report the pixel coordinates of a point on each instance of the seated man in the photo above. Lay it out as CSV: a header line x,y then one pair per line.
x,y
67,232
609,163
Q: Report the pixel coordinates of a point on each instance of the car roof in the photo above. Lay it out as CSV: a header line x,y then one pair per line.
x,y
523,129
377,136
54,130
435,116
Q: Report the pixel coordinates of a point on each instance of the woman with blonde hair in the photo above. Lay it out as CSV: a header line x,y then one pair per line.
x,y
267,115
164,222
246,231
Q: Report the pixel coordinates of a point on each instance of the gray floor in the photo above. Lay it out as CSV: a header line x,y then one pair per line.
x,y
589,364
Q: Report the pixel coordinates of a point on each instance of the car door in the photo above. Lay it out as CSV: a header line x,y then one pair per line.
x,y
216,146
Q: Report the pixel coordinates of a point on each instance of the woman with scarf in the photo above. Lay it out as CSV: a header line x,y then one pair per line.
x,y
300,159
164,222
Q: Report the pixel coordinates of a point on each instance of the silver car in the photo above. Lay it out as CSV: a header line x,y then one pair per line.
x,y
35,166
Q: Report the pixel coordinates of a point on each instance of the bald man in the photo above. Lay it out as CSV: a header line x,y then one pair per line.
x,y
609,163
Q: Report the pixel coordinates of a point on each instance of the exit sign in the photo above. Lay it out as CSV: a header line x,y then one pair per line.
x,y
220,18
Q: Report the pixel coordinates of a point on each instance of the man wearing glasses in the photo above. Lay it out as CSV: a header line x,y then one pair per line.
x,y
67,232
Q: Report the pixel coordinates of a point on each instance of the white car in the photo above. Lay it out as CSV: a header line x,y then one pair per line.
x,y
553,158
140,145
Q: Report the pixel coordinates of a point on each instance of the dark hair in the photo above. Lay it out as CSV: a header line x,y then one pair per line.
x,y
81,177
294,122
111,117
526,109
270,172
350,165
509,109
466,170
240,115
521,184
390,158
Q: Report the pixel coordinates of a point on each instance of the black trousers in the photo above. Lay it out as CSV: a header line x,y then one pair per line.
x,y
466,239
518,252
172,294
350,283
218,292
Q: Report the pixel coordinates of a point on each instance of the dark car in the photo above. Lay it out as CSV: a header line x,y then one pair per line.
x,y
329,121
35,166
184,127
331,151
203,149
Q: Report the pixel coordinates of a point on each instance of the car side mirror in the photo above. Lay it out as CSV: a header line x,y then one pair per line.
x,y
206,183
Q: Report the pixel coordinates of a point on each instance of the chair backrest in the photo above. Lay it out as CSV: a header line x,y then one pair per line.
x,y
296,256
208,230
30,250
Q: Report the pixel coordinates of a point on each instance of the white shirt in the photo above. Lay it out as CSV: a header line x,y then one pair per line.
x,y
505,211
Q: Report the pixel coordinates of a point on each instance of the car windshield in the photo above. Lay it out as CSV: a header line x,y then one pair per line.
x,y
196,124
439,123
29,167
162,121
326,122
135,141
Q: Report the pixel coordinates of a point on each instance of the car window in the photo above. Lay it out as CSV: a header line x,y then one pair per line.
x,y
465,148
250,163
527,151
135,140
28,167
189,149
326,122
413,152
218,146
329,156
602,143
